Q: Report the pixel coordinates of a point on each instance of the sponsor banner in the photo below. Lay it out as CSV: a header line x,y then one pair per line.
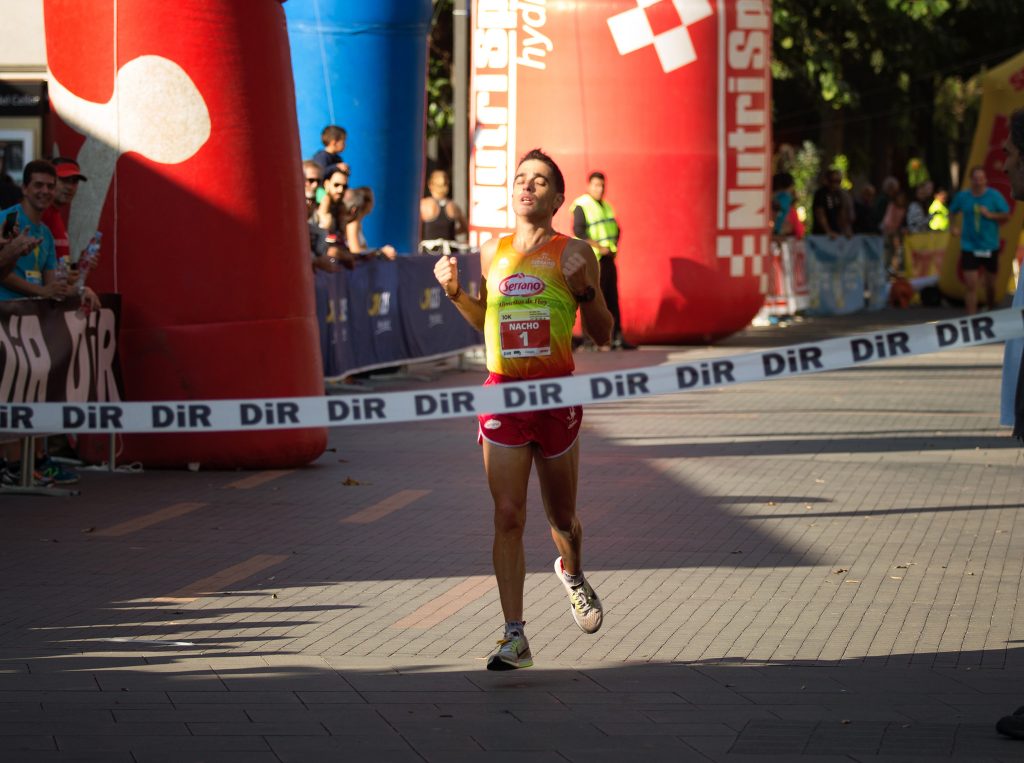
x,y
840,270
290,413
923,253
386,313
50,353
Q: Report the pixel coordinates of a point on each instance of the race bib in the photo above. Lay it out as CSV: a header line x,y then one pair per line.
x,y
525,332
983,254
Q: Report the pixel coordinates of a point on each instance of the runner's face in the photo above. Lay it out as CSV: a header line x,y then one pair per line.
x,y
533,191
1014,168
978,181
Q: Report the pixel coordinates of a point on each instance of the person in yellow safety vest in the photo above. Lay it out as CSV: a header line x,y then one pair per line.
x,y
593,220
938,213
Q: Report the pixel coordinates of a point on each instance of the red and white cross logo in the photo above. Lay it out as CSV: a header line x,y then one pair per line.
x,y
663,24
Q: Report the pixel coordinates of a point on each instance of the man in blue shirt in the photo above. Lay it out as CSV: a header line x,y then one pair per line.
x,y
34,273
983,209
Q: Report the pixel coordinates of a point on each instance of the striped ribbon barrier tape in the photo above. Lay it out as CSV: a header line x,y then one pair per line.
x,y
384,408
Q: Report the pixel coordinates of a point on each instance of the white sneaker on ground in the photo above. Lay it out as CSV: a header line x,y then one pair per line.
x,y
513,652
583,602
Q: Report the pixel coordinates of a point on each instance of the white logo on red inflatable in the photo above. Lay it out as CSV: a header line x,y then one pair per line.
x,y
521,285
663,24
155,111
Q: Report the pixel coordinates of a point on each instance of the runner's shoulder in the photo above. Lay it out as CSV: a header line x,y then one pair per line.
x,y
580,246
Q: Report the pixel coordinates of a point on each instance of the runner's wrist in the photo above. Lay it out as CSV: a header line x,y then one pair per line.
x,y
454,296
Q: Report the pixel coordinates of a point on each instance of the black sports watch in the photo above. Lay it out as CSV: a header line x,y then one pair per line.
x,y
587,296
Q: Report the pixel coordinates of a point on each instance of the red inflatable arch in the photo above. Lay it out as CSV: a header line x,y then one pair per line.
x,y
670,99
182,116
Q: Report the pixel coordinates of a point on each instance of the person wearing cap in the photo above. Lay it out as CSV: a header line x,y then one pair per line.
x,y
69,175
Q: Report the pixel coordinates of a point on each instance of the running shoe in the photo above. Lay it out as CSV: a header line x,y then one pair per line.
x,y
38,478
7,478
55,473
583,602
513,652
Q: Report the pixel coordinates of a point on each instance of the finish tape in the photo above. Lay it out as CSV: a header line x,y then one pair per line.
x,y
308,412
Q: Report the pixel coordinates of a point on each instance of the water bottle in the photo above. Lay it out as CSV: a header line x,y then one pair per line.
x,y
86,263
61,272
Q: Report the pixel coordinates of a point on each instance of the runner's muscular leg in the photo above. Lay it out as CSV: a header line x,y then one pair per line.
x,y
508,476
971,291
558,478
989,279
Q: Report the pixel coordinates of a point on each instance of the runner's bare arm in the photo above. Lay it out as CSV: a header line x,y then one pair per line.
x,y
446,271
581,270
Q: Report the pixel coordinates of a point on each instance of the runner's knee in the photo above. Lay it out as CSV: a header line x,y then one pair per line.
x,y
509,516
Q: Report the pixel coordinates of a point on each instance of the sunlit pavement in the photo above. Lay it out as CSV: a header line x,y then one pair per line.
x,y
825,568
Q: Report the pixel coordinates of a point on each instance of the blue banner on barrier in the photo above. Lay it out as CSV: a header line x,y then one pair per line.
x,y
845,274
386,313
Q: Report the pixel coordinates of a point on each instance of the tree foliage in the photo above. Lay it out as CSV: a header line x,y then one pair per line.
x,y
440,112
865,77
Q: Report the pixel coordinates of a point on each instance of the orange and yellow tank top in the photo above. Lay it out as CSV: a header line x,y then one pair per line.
x,y
530,312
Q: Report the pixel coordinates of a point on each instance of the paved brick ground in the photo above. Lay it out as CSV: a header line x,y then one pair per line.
x,y
824,568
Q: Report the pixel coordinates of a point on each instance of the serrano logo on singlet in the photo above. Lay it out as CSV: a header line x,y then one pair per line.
x,y
521,285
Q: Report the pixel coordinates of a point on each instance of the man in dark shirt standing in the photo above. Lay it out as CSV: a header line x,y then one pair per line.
x,y
830,215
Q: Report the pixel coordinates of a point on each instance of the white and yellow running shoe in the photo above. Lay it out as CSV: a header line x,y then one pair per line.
x,y
513,652
583,602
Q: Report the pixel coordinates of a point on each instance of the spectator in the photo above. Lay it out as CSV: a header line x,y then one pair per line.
x,y
68,177
983,209
866,218
938,212
831,217
34,275
440,216
917,213
890,187
359,204
333,138
893,224
327,249
594,221
311,181
331,214
787,221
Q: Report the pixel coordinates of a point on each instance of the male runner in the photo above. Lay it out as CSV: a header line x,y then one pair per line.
x,y
533,283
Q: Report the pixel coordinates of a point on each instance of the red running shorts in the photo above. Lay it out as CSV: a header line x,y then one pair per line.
x,y
554,431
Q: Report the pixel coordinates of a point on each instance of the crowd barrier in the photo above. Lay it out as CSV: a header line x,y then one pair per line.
x,y
50,352
389,312
819,275
425,405
846,275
